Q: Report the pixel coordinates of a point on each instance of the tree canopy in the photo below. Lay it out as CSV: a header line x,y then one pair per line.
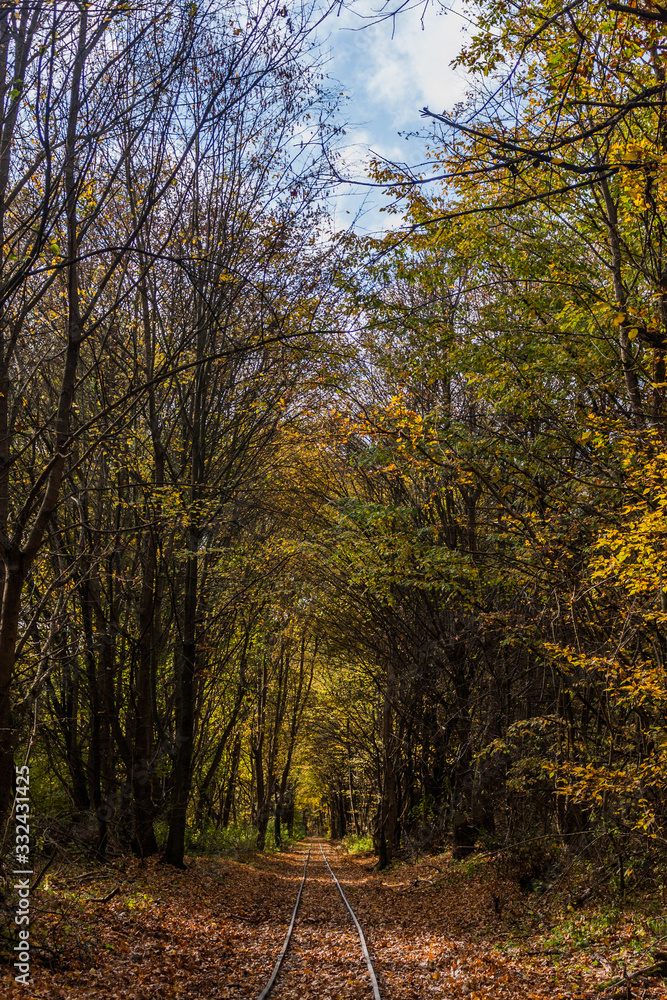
x,y
303,526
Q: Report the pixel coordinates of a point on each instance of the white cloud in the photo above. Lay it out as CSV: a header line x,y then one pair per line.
x,y
388,81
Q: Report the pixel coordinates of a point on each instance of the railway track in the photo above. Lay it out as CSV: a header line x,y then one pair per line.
x,y
288,937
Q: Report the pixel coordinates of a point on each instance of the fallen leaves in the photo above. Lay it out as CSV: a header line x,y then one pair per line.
x,y
214,932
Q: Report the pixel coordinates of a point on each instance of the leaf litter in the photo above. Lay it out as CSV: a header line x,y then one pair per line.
x,y
434,928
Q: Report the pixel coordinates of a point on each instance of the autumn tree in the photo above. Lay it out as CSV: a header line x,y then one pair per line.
x,y
138,427
70,124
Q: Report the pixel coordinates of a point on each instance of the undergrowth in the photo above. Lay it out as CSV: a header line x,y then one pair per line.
x,y
355,844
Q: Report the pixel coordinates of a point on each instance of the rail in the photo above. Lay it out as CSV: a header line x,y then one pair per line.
x,y
369,964
283,951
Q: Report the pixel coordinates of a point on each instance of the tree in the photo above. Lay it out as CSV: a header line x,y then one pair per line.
x,y
62,67
138,428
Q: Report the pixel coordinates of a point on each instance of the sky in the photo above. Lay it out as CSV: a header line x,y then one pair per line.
x,y
387,81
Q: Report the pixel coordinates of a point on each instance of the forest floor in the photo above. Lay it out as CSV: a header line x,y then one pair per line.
x,y
435,928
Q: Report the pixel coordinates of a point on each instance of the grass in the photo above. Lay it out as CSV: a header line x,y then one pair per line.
x,y
357,845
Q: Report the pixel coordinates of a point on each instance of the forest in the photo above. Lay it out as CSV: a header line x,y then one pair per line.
x,y
309,532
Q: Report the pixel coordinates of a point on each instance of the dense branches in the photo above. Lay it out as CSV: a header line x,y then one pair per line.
x,y
159,220
370,526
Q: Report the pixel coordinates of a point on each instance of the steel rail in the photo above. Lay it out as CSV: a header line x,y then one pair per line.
x,y
276,969
369,964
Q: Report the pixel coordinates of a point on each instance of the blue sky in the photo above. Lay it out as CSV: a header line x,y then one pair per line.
x,y
387,81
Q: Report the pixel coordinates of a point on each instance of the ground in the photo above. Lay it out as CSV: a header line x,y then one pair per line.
x,y
435,928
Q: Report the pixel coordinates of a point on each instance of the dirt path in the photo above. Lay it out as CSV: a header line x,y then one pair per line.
x,y
214,932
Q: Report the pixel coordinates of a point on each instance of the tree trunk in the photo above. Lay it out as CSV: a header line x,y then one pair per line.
x,y
229,794
389,805
263,817
144,843
181,768
277,832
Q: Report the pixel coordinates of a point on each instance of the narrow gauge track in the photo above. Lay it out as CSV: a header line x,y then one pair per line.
x,y
283,951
